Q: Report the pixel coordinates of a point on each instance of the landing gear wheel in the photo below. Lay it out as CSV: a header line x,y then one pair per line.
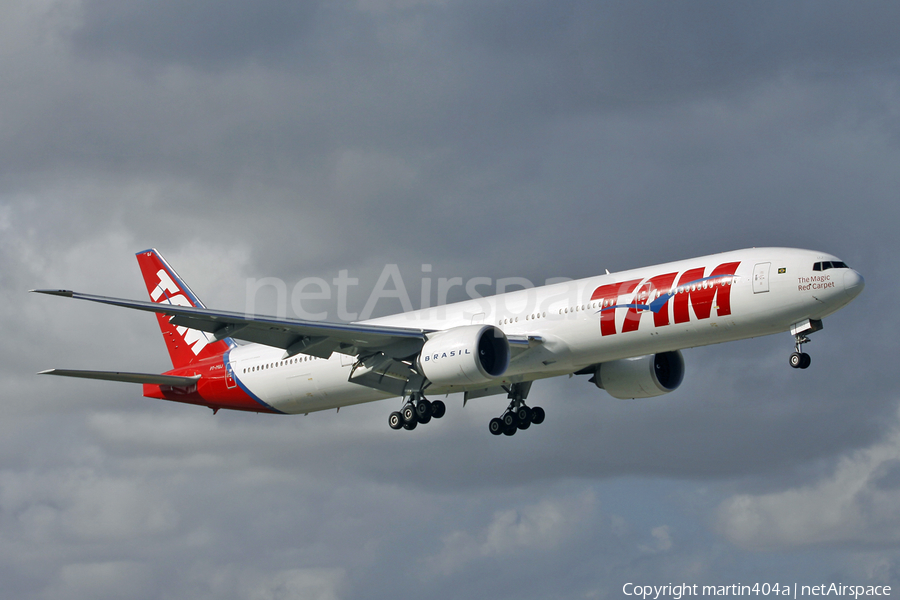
x,y
517,415
799,358
416,410
524,415
438,408
423,410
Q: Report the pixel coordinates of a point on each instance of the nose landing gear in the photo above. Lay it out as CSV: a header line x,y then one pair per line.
x,y
799,359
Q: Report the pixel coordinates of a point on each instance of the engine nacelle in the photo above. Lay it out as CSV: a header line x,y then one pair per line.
x,y
641,377
471,354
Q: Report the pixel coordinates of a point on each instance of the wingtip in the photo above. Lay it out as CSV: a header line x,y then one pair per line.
x,y
66,293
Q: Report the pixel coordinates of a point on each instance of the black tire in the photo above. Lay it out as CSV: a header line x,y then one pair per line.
x,y
438,408
805,361
524,415
510,430
423,410
410,426
409,414
509,420
395,420
537,415
496,426
524,424
796,360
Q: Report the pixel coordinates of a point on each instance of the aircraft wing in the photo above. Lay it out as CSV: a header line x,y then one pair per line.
x,y
125,377
295,336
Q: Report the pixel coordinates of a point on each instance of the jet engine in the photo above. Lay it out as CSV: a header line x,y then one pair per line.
x,y
466,355
641,377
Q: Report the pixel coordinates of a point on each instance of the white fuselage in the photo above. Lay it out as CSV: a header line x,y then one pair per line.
x,y
739,294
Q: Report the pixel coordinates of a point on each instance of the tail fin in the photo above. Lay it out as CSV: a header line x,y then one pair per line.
x,y
186,346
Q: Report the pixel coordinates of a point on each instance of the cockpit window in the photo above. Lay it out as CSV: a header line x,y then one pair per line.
x,y
829,264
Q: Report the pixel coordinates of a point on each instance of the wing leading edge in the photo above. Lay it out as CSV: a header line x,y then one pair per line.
x,y
294,336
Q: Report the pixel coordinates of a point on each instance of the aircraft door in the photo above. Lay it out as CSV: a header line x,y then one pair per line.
x,y
761,278
229,376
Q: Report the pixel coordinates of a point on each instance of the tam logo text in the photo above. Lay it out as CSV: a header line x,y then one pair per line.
x,y
693,291
168,292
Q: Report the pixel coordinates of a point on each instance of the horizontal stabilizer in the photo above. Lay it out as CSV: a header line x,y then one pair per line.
x,y
126,377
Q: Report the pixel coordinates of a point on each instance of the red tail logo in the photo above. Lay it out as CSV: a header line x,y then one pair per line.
x,y
186,346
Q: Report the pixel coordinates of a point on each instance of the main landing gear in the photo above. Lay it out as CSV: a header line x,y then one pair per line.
x,y
416,410
800,359
517,415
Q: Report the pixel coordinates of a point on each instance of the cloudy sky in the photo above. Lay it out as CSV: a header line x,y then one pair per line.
x,y
530,139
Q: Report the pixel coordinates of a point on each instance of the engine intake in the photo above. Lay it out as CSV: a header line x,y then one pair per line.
x,y
471,354
641,377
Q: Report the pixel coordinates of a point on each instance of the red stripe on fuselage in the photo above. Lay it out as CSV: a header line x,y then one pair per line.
x,y
211,390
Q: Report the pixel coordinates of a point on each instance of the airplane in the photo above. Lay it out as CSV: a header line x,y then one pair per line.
x,y
626,330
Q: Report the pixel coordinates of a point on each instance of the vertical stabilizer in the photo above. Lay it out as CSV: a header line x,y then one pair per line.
x,y
186,346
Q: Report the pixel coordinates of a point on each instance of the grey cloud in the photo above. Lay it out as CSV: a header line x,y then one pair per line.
x,y
851,506
204,34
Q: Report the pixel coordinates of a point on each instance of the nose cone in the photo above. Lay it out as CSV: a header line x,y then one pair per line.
x,y
853,283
